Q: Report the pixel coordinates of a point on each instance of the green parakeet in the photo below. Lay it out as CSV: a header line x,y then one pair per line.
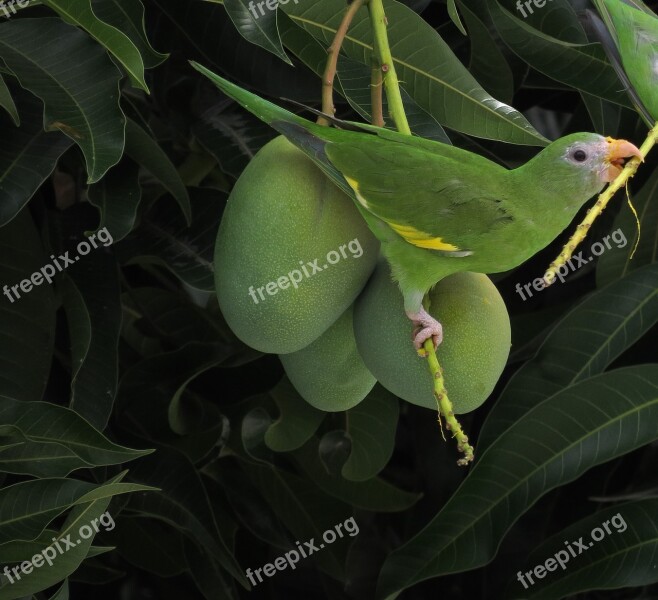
x,y
438,209
635,29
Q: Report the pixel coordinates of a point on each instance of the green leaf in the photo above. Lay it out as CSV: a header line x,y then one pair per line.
x,y
7,102
80,13
128,16
552,444
26,508
144,150
45,423
93,310
297,421
617,262
623,558
371,427
187,251
182,503
304,511
66,563
429,70
375,494
579,65
256,22
454,16
581,345
117,197
150,545
28,156
487,62
27,323
81,99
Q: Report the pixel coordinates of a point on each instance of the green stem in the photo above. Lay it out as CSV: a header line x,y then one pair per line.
x,y
396,110
395,105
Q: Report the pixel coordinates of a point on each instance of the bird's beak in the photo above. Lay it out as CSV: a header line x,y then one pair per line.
x,y
618,150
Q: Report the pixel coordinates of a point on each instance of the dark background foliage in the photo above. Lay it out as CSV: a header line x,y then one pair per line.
x,y
131,339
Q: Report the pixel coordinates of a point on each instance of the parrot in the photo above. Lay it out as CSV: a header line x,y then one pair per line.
x,y
635,31
438,209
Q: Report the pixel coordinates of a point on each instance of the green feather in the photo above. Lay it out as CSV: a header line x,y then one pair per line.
x,y
438,209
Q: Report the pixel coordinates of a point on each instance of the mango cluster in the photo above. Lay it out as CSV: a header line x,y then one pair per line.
x,y
298,274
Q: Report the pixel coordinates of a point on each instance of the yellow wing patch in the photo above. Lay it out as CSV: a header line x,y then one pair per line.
x,y
354,184
410,234
422,239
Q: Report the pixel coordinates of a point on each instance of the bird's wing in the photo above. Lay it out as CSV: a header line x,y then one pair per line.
x,y
431,201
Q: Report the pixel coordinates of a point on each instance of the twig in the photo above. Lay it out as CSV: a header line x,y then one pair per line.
x,y
333,53
376,94
396,110
602,201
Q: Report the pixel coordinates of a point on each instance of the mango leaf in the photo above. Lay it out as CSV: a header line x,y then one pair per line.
x,y
150,545
297,421
91,299
182,503
128,16
553,443
256,22
232,138
28,155
26,508
429,70
119,45
370,435
487,63
64,564
579,65
617,262
187,251
625,557
144,150
117,197
26,323
304,511
375,494
582,344
7,102
81,100
43,423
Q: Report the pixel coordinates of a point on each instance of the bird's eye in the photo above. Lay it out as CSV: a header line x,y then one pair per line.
x,y
579,155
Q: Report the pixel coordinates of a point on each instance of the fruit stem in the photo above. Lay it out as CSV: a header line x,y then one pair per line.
x,y
333,52
445,405
396,110
387,66
602,201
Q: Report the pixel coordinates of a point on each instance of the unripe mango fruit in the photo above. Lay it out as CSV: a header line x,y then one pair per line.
x,y
329,373
476,339
292,252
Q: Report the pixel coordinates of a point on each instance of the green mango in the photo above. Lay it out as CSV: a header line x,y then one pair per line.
x,y
476,339
292,252
329,373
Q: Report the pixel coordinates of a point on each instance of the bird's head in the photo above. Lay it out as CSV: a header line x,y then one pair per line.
x,y
585,162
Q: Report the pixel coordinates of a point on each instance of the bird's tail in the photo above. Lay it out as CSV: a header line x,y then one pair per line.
x,y
299,131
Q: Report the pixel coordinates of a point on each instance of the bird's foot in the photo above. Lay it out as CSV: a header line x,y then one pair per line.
x,y
425,327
